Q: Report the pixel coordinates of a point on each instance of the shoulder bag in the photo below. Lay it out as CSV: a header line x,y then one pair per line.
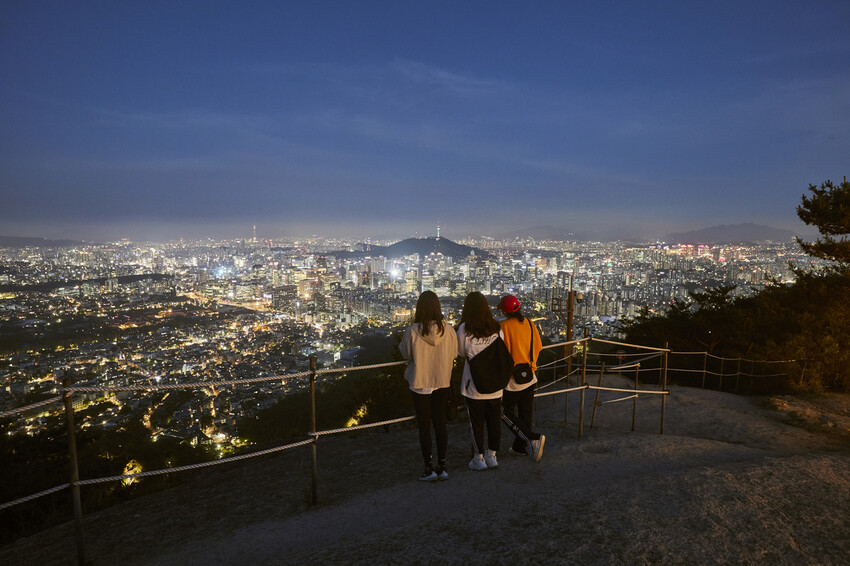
x,y
491,367
522,372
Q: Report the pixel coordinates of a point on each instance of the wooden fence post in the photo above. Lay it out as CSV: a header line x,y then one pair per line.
x,y
704,367
75,473
596,400
569,361
738,375
634,402
583,383
314,481
664,386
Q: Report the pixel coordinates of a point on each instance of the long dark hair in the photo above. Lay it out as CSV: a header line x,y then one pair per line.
x,y
516,314
478,317
427,311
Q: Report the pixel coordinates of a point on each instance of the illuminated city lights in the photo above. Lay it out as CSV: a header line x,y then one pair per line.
x,y
188,312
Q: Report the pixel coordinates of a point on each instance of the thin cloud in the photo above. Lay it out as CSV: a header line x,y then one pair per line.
x,y
448,81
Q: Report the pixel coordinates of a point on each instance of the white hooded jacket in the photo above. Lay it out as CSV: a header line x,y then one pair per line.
x,y
431,357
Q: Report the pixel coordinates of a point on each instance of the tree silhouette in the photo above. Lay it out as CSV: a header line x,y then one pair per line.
x,y
829,209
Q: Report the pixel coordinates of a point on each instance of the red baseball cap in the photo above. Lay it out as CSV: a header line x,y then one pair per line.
x,y
509,303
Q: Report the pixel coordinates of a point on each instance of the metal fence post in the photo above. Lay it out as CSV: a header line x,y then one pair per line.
x,y
704,368
569,360
664,385
315,473
583,384
75,473
596,400
722,372
738,375
634,403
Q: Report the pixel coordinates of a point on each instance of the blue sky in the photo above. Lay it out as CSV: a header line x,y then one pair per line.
x,y
202,119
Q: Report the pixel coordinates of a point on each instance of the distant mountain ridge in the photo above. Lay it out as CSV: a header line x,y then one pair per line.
x,y
731,233
542,233
410,246
24,242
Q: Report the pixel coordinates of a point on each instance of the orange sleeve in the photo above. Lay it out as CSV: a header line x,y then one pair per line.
x,y
518,340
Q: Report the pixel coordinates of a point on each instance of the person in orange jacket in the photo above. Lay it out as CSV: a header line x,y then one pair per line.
x,y
523,340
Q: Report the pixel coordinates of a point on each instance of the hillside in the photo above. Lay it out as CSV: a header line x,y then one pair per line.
x,y
542,233
24,242
732,480
731,234
411,246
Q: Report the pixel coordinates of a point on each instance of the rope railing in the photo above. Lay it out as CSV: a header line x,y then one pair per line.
x,y
716,357
558,380
198,385
727,374
358,368
30,407
190,385
621,355
555,362
319,433
34,496
654,370
574,342
199,465
634,365
648,391
325,371
620,399
560,391
759,374
601,341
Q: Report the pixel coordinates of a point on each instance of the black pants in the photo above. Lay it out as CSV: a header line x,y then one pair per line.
x,y
431,410
520,422
481,412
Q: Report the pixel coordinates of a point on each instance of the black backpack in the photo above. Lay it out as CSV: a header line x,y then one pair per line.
x,y
491,367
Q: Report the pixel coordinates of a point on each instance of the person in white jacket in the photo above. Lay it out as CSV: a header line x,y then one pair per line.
x,y
430,347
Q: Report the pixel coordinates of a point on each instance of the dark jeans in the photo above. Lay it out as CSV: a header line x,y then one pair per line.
x,y
520,422
431,410
481,412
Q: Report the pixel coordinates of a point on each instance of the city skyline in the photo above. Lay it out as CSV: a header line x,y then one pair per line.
x,y
608,120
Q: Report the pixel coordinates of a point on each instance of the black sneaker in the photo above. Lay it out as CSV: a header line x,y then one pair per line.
x,y
442,474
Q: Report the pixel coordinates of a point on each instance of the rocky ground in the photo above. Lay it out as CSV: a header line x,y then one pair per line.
x,y
732,480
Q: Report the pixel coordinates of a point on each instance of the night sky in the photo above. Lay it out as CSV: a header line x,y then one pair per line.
x,y
202,119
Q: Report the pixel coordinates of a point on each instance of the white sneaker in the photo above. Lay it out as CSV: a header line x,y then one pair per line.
x,y
428,475
490,459
477,463
537,448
